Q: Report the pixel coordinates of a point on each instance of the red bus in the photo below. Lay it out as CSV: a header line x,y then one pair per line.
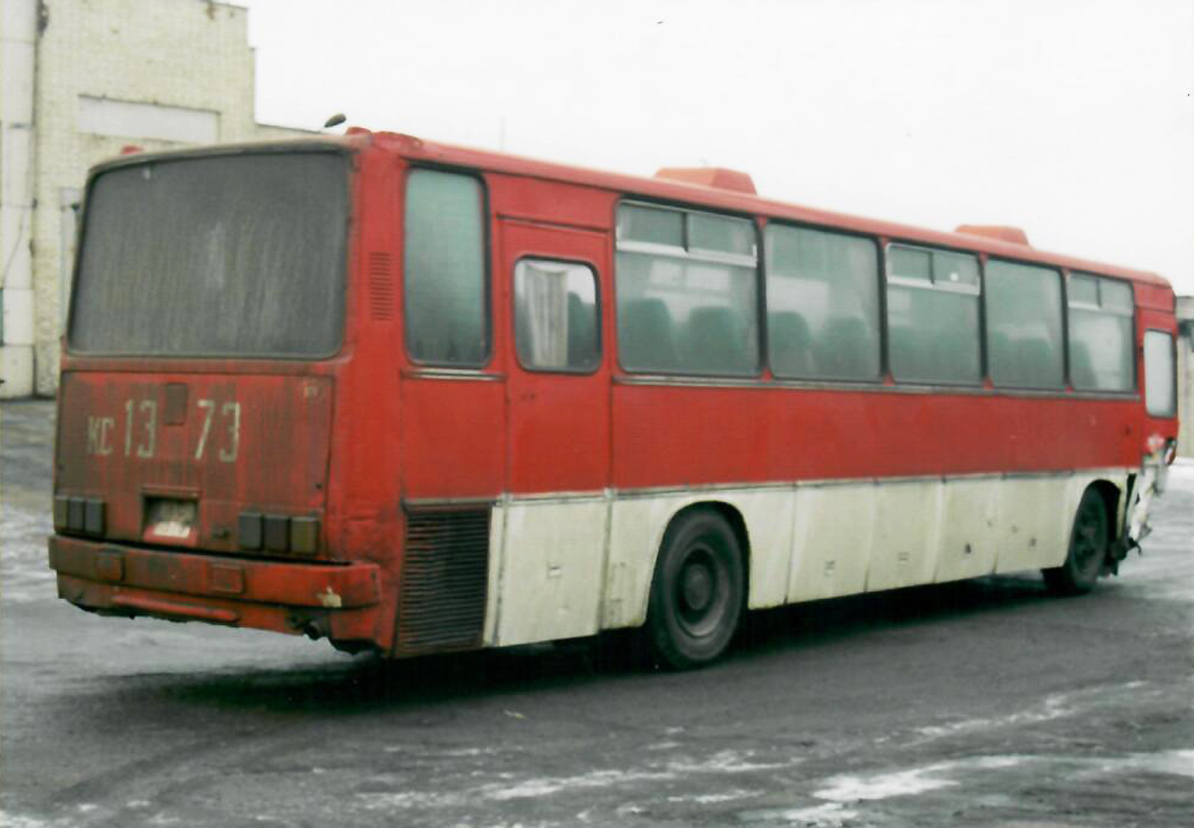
x,y
415,398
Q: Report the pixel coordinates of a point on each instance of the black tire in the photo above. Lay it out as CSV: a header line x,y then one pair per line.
x,y
696,593
1087,555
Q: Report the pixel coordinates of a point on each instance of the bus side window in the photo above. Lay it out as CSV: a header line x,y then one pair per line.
x,y
447,317
1102,335
555,316
1024,339
1160,375
932,315
822,304
686,292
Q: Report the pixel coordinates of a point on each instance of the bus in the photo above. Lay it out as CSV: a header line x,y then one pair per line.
x,y
416,398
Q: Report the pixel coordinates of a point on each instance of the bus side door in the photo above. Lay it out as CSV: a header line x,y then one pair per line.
x,y
558,433
558,386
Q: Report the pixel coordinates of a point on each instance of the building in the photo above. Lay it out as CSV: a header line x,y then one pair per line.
x,y
79,81
1185,375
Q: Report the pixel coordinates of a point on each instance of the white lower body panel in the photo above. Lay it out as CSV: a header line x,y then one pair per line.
x,y
571,565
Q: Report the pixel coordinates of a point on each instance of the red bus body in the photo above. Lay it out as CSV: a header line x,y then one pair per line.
x,y
365,471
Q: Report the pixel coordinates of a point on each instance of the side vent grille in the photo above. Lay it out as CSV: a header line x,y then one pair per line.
x,y
444,580
381,287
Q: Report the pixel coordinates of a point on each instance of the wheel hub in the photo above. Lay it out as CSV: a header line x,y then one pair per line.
x,y
697,586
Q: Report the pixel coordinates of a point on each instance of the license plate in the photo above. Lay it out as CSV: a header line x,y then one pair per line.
x,y
168,518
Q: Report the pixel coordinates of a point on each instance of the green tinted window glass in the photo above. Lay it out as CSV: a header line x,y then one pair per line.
x,y
1100,351
906,263
1115,296
932,335
444,272
955,268
1024,327
1083,290
683,316
1160,396
721,234
656,225
1102,333
822,304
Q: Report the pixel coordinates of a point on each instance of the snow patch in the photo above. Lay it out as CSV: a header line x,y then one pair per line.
x,y
728,761
23,569
12,821
829,815
472,751
907,782
410,799
1056,706
714,798
596,779
883,786
1174,762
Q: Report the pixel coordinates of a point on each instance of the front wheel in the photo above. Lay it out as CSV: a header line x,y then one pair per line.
x,y
697,591
1088,549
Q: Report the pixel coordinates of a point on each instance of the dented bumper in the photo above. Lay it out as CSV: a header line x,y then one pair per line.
x,y
341,602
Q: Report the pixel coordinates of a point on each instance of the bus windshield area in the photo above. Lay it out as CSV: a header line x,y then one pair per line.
x,y
234,255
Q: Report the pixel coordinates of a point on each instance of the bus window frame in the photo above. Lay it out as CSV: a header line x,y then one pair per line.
x,y
487,219
598,309
978,290
1137,335
880,309
683,253
1064,388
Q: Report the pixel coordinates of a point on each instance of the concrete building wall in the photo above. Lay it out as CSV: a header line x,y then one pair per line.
x,y
95,76
18,48
1185,375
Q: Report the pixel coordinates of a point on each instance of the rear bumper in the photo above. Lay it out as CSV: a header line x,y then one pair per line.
x,y
340,602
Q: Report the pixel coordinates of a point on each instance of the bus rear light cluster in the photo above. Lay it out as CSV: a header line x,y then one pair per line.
x,y
80,515
277,533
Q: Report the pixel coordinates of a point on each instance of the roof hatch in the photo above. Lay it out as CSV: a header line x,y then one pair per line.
x,y
718,177
1014,235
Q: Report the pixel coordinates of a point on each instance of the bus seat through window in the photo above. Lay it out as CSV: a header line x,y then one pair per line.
x,y
1082,372
791,351
844,339
645,337
715,343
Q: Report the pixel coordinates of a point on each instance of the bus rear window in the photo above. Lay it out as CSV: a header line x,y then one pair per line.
x,y
215,256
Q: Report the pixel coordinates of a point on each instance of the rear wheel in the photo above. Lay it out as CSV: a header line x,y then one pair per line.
x,y
1088,549
697,591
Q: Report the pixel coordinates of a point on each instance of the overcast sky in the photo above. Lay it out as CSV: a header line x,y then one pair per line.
x,y
1072,120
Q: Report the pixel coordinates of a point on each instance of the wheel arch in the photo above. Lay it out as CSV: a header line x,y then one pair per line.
x,y
731,514
1111,495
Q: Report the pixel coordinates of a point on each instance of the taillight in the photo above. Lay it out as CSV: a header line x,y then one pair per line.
x,y
80,515
277,533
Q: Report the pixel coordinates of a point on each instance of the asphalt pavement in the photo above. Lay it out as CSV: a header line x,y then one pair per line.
x,y
985,703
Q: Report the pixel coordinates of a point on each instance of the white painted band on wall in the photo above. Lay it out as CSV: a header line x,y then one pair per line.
x,y
18,316
129,119
16,369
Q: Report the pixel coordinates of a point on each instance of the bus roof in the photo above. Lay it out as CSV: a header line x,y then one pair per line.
x,y
735,196
672,190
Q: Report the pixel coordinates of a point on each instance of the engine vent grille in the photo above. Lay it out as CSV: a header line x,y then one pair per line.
x,y
444,580
381,287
